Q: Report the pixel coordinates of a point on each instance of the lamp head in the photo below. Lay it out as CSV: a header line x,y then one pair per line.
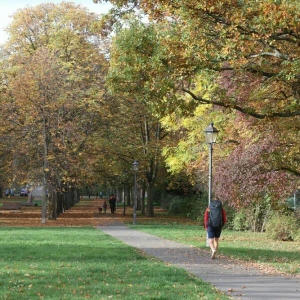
x,y
211,134
135,165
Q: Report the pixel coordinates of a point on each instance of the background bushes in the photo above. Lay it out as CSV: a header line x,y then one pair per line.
x,y
284,227
194,207
281,223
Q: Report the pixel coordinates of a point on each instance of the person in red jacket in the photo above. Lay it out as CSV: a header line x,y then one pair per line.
x,y
213,233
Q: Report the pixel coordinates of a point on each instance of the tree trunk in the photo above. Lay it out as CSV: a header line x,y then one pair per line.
x,y
143,198
68,200
129,195
76,196
30,198
150,208
44,204
138,198
60,203
52,207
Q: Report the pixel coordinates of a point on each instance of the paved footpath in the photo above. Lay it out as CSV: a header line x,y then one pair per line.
x,y
239,282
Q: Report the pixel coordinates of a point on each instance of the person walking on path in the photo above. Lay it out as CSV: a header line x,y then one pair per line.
x,y
112,203
214,220
104,206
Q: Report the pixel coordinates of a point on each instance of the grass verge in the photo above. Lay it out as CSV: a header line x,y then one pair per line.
x,y
83,263
282,257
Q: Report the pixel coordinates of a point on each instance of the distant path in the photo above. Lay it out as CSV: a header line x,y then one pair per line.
x,y
238,281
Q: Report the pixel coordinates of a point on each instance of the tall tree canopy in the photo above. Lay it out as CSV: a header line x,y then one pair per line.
x,y
53,71
237,59
240,42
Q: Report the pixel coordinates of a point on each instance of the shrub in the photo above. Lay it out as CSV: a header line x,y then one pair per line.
x,y
283,227
177,206
194,207
253,217
190,206
240,222
297,236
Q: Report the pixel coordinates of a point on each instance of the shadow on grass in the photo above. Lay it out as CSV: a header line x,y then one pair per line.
x,y
262,255
84,263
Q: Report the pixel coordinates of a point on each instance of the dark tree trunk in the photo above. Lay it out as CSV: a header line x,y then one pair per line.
x,y
52,206
150,208
60,203
44,205
129,195
143,209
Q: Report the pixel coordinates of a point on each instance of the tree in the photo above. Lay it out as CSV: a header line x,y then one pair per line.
x,y
123,82
131,134
53,91
226,37
246,54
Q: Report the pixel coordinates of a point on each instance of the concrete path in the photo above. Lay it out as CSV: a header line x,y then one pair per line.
x,y
239,282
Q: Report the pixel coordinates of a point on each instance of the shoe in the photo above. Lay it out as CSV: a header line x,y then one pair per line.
x,y
213,254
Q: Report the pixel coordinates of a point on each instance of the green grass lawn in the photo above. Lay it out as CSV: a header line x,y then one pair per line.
x,y
83,263
253,247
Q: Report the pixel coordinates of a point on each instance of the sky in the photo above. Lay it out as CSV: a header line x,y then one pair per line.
x,y
8,7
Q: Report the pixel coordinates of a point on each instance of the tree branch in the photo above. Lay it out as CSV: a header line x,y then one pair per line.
x,y
294,172
246,111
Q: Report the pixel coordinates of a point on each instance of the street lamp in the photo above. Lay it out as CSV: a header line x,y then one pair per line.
x,y
211,134
135,169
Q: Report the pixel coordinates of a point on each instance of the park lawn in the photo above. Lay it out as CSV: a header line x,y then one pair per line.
x,y
84,263
256,248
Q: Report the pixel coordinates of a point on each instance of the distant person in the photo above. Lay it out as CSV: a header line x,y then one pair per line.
x,y
214,220
104,206
101,195
112,203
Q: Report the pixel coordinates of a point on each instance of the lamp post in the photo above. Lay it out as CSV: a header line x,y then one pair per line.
x,y
135,169
211,134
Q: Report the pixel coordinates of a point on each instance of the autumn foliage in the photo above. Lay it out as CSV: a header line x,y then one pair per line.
x,y
84,96
231,62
